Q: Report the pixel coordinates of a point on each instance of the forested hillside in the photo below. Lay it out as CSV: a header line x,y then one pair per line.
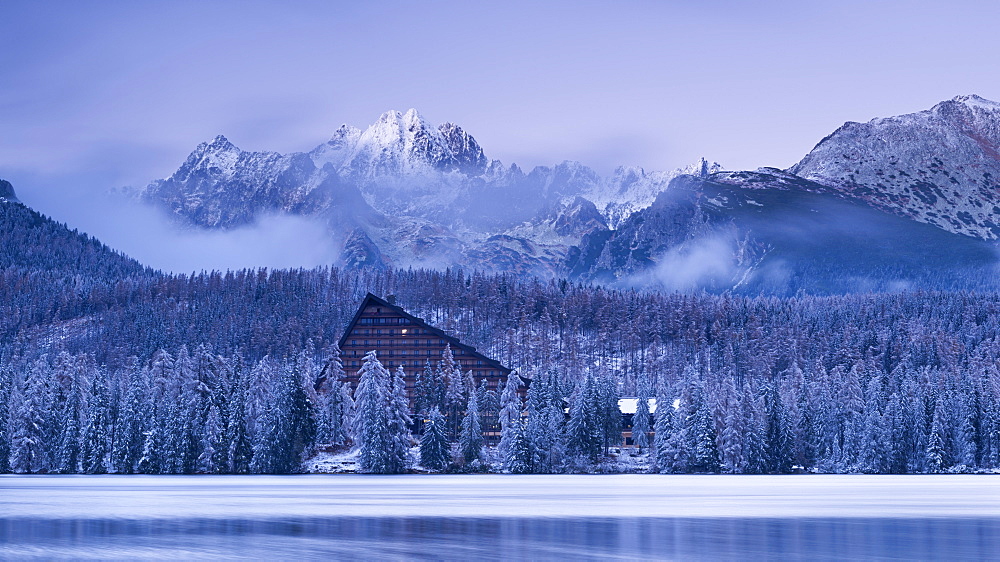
x,y
100,355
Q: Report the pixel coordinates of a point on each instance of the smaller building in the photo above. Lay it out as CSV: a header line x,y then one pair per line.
x,y
628,406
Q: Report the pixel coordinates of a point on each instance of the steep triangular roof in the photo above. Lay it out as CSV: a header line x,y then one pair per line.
x,y
371,299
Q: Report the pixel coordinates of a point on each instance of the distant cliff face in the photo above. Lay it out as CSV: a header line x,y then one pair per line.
x,y
940,166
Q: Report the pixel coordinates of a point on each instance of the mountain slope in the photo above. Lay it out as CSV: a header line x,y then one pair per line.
x,y
940,166
35,243
773,232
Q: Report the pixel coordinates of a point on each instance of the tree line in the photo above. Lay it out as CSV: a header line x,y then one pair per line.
x,y
187,412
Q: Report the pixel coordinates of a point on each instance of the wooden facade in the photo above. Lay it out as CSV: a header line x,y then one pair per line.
x,y
401,339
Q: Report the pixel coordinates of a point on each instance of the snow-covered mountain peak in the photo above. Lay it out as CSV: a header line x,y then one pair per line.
x,y
218,156
974,101
413,120
336,150
218,144
345,134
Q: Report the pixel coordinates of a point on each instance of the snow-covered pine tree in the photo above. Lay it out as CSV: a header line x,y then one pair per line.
x,y
490,409
371,419
510,413
778,439
133,414
731,438
211,442
399,424
471,441
455,391
754,430
517,459
262,419
6,384
70,390
434,446
584,434
664,427
793,399
641,420
334,414
29,404
545,424
936,456
704,453
183,439
609,413
239,449
99,433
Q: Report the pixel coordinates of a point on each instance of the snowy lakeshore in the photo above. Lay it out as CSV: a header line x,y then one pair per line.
x,y
469,496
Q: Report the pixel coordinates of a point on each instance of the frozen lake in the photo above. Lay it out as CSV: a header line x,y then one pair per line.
x,y
501,517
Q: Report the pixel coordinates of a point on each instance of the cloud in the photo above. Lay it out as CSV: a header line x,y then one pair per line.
x,y
705,262
156,240
274,241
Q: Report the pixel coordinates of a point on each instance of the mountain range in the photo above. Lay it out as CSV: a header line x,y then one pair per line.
x,y
906,201
406,193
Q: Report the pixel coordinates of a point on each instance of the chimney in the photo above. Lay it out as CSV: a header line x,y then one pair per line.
x,y
391,299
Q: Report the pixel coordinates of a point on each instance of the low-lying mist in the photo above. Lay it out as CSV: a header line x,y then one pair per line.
x,y
154,239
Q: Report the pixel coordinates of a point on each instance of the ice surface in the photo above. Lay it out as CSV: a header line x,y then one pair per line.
x,y
499,496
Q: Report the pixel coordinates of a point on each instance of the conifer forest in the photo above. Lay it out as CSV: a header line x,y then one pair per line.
x,y
110,367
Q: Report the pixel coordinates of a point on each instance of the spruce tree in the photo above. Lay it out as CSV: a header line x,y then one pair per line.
x,y
28,446
434,446
663,427
510,413
518,457
936,455
471,441
399,424
584,433
640,420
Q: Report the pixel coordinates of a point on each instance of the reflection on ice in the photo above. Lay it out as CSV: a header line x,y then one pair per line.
x,y
515,538
501,517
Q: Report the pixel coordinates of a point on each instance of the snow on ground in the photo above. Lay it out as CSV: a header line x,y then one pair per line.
x,y
498,496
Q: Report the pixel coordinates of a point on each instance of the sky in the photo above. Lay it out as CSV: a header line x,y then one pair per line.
x,y
97,95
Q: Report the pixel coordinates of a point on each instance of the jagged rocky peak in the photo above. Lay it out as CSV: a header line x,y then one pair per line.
x,y
405,143
940,166
338,149
216,155
468,155
7,192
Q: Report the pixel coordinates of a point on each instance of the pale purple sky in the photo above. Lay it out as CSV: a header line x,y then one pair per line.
x,y
95,95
